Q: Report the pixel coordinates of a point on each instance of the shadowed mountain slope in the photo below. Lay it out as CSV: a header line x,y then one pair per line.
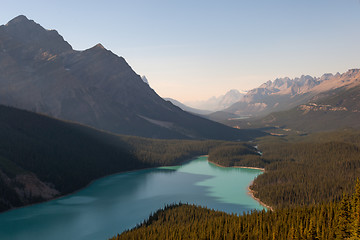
x,y
42,157
187,108
40,72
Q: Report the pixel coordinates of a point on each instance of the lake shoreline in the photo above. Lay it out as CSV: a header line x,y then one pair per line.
x,y
137,194
250,191
92,181
256,168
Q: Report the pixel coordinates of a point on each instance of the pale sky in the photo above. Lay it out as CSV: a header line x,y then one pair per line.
x,y
194,49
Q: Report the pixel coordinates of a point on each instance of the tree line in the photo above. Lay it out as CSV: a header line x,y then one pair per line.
x,y
333,220
68,156
308,170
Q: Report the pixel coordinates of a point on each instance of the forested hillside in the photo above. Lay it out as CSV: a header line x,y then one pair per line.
x,y
234,155
42,157
309,180
299,170
306,170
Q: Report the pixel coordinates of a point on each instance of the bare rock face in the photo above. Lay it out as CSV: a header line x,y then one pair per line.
x,y
39,71
219,103
285,93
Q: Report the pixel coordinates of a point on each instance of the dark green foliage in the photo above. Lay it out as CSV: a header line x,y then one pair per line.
x,y
68,156
236,154
302,174
308,170
168,152
355,213
192,222
10,168
344,219
323,221
8,196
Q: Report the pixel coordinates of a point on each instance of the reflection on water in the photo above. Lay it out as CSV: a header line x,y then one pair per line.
x,y
118,202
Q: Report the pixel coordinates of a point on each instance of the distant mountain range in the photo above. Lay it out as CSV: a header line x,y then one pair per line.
x,y
332,102
272,96
218,103
285,93
40,72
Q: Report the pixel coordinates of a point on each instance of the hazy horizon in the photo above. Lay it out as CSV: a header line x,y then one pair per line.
x,y
191,51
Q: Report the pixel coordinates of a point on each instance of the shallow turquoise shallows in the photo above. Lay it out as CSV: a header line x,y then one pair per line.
x,y
112,204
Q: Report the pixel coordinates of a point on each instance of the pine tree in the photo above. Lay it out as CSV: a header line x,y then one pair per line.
x,y
343,226
355,208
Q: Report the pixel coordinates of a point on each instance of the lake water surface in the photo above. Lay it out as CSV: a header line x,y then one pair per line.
x,y
115,203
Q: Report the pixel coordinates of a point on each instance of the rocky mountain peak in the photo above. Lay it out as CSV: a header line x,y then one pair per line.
x,y
230,98
39,71
281,81
21,31
352,72
99,45
326,76
22,24
233,92
100,49
18,19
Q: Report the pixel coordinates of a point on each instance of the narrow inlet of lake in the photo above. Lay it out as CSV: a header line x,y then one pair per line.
x,y
115,203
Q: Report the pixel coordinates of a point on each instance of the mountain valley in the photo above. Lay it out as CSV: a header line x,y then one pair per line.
x,y
70,117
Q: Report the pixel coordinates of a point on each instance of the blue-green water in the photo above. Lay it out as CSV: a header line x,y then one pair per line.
x,y
112,204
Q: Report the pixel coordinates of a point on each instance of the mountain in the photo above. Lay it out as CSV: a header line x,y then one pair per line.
x,y
285,93
42,157
219,103
326,111
281,94
187,108
40,72
217,116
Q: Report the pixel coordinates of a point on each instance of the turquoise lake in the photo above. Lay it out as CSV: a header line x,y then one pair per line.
x,y
115,203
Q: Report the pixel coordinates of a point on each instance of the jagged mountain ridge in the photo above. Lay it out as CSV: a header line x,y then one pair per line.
x,y
285,93
326,111
218,103
39,71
